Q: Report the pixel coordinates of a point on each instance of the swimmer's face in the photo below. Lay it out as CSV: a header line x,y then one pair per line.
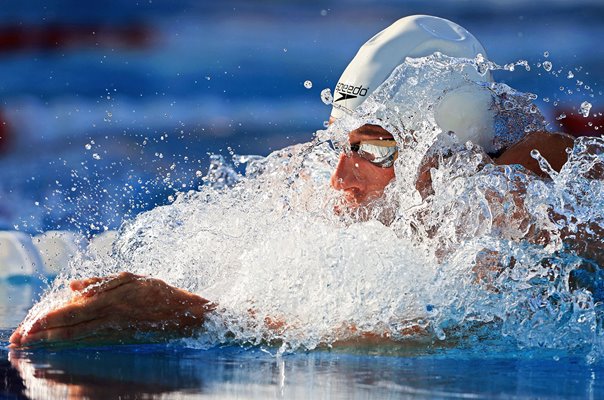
x,y
359,179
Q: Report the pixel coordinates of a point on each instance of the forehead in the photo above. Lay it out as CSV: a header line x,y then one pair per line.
x,y
369,132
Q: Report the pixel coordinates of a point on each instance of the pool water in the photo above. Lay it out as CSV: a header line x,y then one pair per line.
x,y
174,371
233,372
242,90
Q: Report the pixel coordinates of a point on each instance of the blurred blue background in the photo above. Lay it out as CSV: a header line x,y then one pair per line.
x,y
108,108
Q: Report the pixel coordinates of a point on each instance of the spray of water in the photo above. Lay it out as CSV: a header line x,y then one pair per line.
x,y
483,252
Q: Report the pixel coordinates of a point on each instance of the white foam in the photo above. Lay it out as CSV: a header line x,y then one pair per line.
x,y
270,245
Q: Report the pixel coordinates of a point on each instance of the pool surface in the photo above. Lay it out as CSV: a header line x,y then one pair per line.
x,y
121,121
234,372
174,371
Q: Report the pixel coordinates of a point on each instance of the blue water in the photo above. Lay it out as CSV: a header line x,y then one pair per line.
x,y
233,372
203,78
174,371
213,77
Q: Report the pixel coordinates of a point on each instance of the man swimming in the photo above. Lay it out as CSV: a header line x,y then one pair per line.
x,y
116,309
464,110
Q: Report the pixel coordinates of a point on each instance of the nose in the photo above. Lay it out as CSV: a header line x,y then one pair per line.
x,y
345,175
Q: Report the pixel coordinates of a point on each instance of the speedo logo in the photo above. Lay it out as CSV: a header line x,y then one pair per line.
x,y
350,91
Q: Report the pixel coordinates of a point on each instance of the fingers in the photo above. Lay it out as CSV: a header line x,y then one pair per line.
x,y
71,314
116,307
91,286
85,331
109,298
87,308
15,338
81,284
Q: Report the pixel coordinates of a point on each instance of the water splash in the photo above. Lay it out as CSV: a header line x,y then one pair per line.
x,y
482,252
326,96
585,108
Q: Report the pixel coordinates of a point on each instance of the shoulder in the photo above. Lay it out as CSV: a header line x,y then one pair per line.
x,y
552,147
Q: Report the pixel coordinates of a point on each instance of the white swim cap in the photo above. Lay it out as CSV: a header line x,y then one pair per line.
x,y
464,111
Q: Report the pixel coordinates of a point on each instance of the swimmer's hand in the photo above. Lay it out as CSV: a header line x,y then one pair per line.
x,y
125,308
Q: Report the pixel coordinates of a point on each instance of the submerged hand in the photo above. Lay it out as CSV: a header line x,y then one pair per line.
x,y
118,309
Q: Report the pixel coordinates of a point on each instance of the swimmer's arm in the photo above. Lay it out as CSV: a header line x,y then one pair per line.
x,y
587,239
126,308
584,239
552,146
349,335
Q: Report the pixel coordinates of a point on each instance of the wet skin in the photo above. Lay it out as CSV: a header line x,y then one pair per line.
x,y
360,180
117,309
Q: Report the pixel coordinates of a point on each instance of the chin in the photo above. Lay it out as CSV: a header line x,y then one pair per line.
x,y
368,208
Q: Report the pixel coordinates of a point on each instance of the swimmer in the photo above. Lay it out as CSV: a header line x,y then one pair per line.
x,y
464,111
116,309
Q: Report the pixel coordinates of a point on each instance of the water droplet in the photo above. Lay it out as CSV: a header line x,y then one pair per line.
x,y
326,96
88,146
561,116
307,84
285,49
547,66
570,75
198,174
96,156
585,108
546,54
